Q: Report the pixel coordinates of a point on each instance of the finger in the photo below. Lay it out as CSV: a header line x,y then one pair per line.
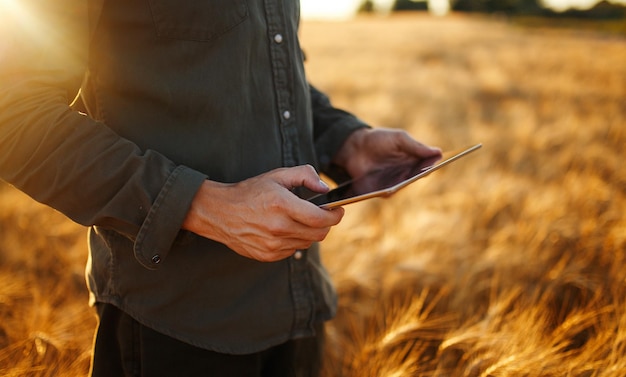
x,y
284,249
413,147
298,176
276,255
295,209
315,217
289,228
271,245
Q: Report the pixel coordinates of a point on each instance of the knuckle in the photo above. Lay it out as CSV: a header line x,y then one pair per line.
x,y
272,245
276,228
310,168
275,203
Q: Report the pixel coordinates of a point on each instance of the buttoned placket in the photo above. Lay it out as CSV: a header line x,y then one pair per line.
x,y
282,70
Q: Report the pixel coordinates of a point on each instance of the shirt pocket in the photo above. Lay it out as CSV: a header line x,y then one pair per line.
x,y
196,20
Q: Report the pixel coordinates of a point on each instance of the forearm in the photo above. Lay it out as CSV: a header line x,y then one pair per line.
x,y
332,127
71,162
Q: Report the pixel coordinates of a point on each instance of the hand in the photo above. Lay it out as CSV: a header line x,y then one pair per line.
x,y
260,218
370,149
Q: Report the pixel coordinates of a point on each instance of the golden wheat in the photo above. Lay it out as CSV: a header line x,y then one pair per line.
x,y
518,250
509,263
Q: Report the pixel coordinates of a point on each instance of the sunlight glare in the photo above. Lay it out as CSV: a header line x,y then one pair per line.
x,y
562,5
27,30
439,7
8,4
10,11
13,13
328,9
10,8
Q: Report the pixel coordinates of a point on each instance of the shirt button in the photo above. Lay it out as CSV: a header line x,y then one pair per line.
x,y
286,114
278,38
297,255
156,259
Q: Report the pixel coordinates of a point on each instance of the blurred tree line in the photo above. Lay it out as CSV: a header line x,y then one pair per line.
x,y
602,10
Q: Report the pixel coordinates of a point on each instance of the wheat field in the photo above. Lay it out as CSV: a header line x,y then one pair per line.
x,y
508,263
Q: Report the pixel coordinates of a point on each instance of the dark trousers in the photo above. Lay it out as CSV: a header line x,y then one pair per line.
x,y
124,347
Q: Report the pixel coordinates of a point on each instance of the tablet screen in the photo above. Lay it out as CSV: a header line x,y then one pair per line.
x,y
386,181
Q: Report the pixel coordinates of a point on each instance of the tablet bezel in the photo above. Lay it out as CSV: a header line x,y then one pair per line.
x,y
445,159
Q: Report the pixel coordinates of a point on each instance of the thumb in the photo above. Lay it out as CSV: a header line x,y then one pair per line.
x,y
299,176
414,147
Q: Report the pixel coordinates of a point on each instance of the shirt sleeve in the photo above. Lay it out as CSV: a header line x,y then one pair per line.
x,y
331,128
67,160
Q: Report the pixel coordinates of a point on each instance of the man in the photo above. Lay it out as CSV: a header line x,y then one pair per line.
x,y
200,124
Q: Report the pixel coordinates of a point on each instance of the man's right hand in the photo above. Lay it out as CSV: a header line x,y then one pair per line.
x,y
260,218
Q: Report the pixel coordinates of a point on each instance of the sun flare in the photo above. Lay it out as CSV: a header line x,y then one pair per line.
x,y
15,15
11,8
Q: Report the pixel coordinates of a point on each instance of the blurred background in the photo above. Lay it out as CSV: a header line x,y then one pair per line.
x,y
342,9
510,262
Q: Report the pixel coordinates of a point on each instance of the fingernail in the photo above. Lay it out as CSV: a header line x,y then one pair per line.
x,y
324,184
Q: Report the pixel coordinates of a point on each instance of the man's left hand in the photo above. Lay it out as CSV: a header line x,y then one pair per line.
x,y
370,149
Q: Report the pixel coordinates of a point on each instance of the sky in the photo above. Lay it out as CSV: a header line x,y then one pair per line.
x,y
341,9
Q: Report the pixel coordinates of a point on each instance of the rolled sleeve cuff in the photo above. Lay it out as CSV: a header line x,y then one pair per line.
x,y
163,223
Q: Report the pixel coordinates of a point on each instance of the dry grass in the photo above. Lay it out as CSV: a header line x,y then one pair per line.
x,y
511,263
46,327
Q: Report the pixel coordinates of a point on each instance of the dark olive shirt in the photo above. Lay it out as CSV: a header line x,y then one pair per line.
x,y
176,91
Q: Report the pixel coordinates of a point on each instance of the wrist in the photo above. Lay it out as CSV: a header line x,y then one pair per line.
x,y
349,149
202,217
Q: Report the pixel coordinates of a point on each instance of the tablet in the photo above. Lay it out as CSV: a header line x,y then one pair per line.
x,y
385,182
